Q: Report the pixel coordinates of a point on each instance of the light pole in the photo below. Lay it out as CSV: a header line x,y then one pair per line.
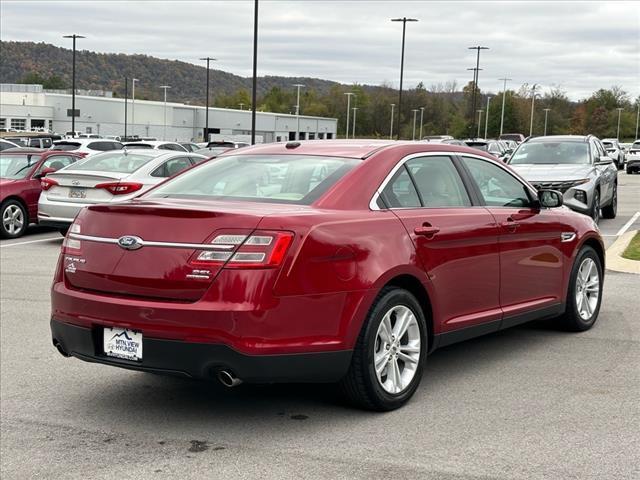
x,y
404,21
255,73
477,71
353,133
421,121
504,97
486,118
415,114
126,95
164,131
206,112
618,131
533,101
73,83
546,114
393,105
241,105
133,105
637,118
298,86
479,121
348,94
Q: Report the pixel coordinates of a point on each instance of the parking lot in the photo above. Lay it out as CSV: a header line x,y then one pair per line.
x,y
530,402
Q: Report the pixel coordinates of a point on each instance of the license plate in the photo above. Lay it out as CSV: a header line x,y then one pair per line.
x,y
77,193
122,343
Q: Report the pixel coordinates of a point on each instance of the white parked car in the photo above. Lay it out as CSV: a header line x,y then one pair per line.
x,y
6,144
155,145
86,146
615,151
105,178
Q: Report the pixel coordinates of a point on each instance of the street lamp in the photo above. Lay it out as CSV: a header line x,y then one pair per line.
x,y
353,133
546,114
255,73
533,100
206,114
477,71
133,105
486,119
415,114
618,131
164,131
348,94
393,105
241,105
404,21
73,83
421,121
637,119
298,86
504,97
479,121
126,95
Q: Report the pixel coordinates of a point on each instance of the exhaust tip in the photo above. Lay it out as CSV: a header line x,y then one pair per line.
x,y
60,349
228,379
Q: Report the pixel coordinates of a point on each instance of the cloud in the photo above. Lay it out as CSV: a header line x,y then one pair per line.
x,y
580,46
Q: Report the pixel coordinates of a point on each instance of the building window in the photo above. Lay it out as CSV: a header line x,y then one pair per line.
x,y
329,136
3,123
37,123
88,130
19,123
312,136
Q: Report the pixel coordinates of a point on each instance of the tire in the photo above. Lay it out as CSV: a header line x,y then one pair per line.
x,y
385,391
611,210
13,219
580,316
595,207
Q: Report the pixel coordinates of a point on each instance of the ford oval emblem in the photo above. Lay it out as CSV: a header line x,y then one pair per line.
x,y
130,242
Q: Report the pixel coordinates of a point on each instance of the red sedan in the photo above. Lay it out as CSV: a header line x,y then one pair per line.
x,y
20,172
322,262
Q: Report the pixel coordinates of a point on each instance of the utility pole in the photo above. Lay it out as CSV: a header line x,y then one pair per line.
x,y
504,97
479,121
255,73
533,100
475,83
298,86
618,131
346,132
164,131
546,114
126,94
486,119
353,134
391,127
206,112
73,83
404,21
421,121
415,114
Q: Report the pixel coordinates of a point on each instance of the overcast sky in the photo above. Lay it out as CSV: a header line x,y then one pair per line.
x,y
578,46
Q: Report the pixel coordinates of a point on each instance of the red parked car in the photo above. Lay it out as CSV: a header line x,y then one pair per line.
x,y
20,172
322,262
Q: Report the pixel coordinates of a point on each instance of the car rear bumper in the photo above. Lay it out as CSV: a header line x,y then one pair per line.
x,y
54,222
204,360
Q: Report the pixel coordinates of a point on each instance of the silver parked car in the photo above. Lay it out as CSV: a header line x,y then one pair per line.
x,y
615,151
105,178
577,166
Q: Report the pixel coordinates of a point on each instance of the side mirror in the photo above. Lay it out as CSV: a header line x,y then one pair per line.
x,y
550,198
604,160
44,172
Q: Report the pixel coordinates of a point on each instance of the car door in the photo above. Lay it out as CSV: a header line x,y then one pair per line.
x,y
530,240
607,172
455,240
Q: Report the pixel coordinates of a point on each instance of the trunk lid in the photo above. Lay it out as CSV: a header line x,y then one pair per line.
x,y
80,186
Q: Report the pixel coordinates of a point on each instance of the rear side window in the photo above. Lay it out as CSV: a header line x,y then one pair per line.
x,y
119,161
438,182
400,192
297,179
497,186
172,167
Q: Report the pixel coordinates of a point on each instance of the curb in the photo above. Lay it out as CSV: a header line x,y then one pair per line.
x,y
615,261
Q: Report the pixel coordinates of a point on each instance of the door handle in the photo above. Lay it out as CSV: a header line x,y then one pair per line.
x,y
510,225
426,230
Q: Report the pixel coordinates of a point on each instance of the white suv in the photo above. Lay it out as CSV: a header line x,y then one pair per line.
x,y
87,146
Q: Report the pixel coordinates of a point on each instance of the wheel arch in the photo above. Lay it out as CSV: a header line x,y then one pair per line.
x,y
597,246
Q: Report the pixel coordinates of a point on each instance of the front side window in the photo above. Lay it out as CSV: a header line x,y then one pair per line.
x,y
497,186
297,179
56,162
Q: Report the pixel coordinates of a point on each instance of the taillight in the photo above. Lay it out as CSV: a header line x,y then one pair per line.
x,y
72,245
47,183
120,188
262,249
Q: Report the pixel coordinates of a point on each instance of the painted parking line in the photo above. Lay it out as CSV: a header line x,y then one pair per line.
x,y
7,245
627,225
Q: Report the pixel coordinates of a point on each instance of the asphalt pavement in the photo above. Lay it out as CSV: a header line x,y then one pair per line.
x,y
532,402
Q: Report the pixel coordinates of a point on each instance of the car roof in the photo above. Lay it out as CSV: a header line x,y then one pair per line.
x,y
151,142
329,148
80,141
560,138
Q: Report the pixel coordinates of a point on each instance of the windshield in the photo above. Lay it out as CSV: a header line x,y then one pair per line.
x,y
120,161
551,153
17,166
294,179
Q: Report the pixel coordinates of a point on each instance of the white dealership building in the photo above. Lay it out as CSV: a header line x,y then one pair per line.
x,y
27,107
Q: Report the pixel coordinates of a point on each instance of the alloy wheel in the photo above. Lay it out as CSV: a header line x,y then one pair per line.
x,y
587,290
596,207
397,349
12,219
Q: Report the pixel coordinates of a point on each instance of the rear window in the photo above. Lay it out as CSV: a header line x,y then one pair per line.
x,y
138,145
66,146
104,146
297,179
120,161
